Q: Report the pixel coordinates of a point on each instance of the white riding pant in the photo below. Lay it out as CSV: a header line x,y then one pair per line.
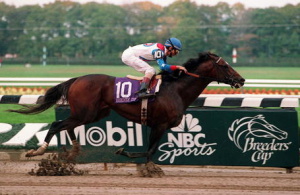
x,y
141,66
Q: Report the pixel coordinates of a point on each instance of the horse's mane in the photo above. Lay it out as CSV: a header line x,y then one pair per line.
x,y
190,65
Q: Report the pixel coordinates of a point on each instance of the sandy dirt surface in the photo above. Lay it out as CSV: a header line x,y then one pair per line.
x,y
123,179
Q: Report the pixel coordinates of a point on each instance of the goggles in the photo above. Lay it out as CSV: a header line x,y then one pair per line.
x,y
176,51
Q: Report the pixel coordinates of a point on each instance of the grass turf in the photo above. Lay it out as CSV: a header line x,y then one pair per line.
x,y
123,70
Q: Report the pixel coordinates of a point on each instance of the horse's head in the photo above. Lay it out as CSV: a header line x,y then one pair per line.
x,y
214,68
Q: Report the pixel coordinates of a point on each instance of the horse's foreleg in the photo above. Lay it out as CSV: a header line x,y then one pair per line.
x,y
122,151
155,136
151,169
147,154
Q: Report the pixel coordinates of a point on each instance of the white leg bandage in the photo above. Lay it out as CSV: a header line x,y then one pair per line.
x,y
45,145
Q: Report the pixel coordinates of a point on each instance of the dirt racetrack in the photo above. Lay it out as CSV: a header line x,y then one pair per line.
x,y
123,179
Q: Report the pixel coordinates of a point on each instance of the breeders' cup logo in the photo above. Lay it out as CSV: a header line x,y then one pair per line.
x,y
246,132
185,143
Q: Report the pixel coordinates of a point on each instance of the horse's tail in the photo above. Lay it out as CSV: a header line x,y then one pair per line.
x,y
52,96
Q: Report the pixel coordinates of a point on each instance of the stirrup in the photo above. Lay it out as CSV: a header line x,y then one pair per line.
x,y
144,94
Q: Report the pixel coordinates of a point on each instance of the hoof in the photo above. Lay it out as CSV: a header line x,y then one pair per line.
x,y
119,151
73,153
39,151
71,157
30,153
151,170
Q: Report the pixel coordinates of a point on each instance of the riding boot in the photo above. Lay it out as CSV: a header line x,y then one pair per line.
x,y
143,92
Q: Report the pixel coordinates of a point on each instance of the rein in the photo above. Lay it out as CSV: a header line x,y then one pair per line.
x,y
192,74
200,77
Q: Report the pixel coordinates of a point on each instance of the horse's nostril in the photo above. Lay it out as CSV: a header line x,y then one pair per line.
x,y
242,80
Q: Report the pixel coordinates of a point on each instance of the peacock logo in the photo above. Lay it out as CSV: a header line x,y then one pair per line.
x,y
189,123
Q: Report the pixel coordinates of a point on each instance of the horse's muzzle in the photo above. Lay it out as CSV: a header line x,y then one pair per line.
x,y
236,82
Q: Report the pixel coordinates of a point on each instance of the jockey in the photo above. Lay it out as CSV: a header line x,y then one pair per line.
x,y
137,56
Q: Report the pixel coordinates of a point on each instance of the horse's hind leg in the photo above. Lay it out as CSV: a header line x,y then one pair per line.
x,y
55,127
69,124
101,113
75,150
41,150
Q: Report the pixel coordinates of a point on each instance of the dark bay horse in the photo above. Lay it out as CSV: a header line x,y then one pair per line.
x,y
91,98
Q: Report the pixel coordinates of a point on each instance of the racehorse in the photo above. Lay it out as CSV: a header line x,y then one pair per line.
x,y
91,97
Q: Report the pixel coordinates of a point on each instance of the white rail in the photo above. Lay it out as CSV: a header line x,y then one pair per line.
x,y
28,84
269,83
39,79
250,95
251,83
15,81
203,100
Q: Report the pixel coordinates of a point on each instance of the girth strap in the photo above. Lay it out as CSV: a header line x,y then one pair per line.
x,y
144,111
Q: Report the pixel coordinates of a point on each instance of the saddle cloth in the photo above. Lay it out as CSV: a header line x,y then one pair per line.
x,y
126,88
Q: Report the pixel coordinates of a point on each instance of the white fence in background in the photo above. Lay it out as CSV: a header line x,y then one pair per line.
x,y
15,81
268,83
252,83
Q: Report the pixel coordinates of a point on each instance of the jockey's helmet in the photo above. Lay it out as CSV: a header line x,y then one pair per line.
x,y
174,42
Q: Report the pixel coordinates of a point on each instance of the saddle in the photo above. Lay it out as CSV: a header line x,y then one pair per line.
x,y
126,88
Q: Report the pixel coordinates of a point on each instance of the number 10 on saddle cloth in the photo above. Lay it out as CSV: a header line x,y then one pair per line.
x,y
126,88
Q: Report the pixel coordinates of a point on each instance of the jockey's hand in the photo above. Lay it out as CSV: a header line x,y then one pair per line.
x,y
181,68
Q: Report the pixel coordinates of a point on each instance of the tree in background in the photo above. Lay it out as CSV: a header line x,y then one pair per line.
x,y
98,33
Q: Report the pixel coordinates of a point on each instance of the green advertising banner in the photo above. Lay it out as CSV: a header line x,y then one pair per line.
x,y
24,136
206,136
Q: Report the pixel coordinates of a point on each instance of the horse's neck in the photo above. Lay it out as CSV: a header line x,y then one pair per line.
x,y
190,88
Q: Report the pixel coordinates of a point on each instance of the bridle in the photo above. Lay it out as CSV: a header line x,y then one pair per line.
x,y
218,60
228,79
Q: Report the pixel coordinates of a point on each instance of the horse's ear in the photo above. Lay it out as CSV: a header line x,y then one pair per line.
x,y
191,64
